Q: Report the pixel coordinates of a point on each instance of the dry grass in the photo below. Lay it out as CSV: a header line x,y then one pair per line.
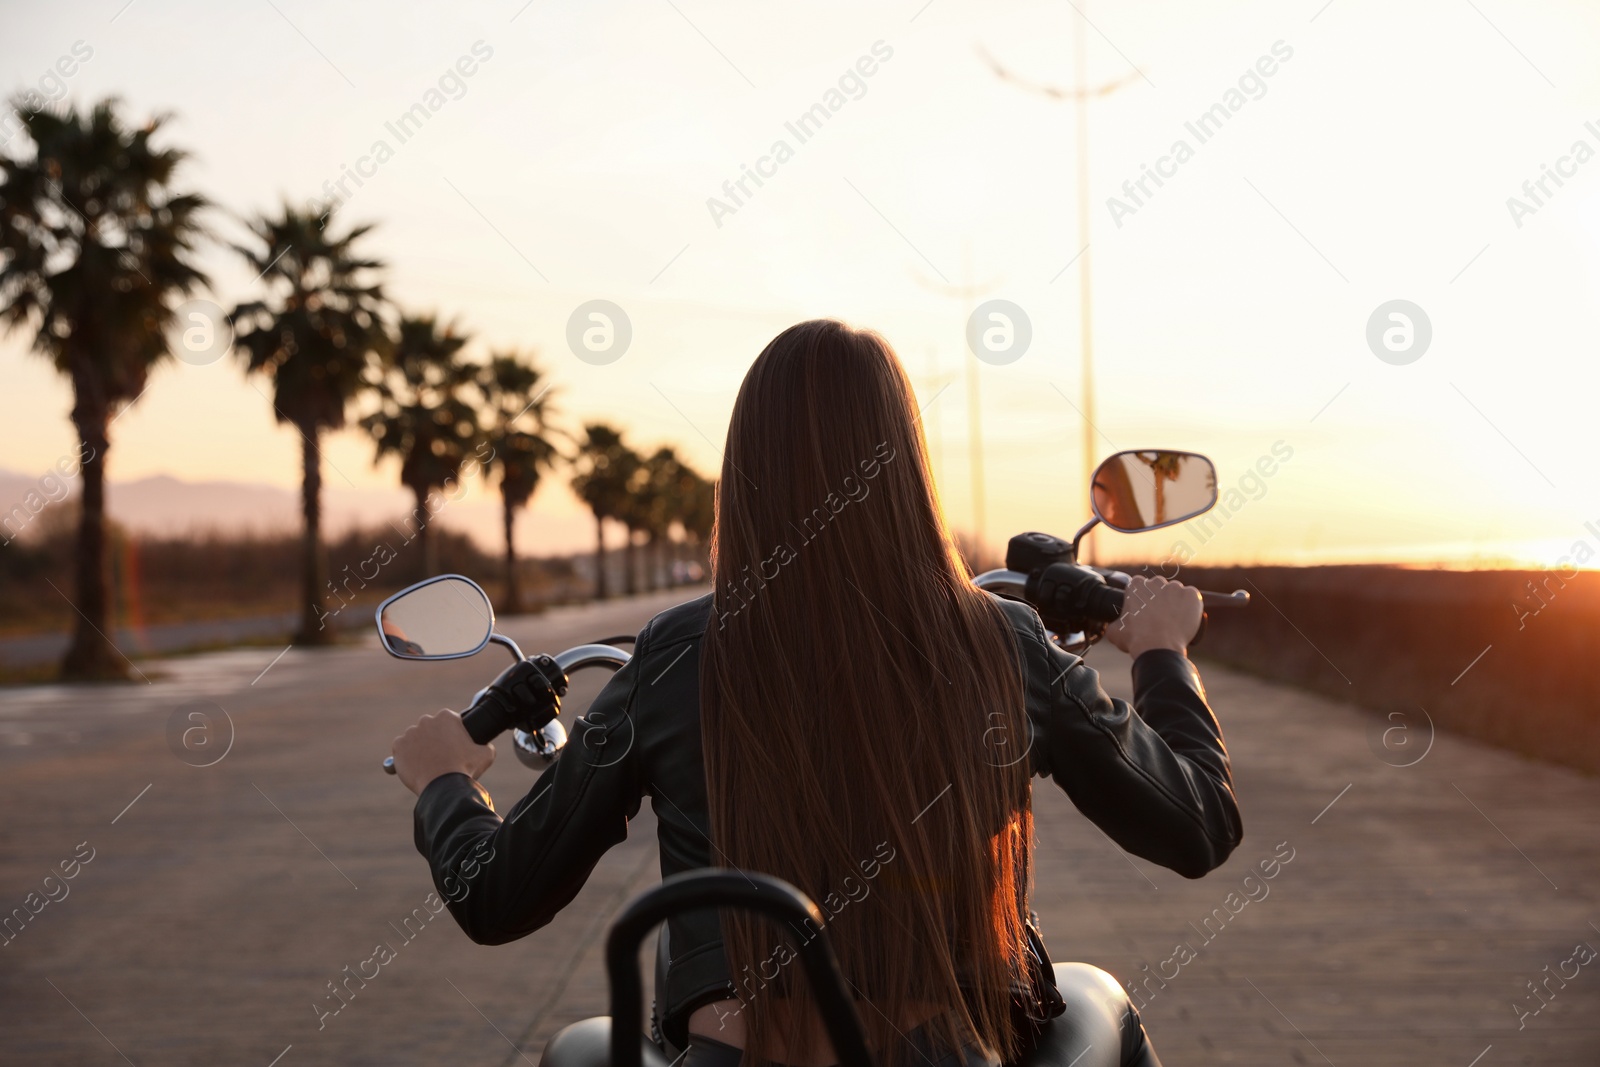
x,y
156,580
1475,649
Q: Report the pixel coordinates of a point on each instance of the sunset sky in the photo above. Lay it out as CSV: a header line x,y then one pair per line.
x,y
1231,304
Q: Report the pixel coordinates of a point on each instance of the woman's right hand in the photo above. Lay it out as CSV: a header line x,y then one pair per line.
x,y
438,744
1156,613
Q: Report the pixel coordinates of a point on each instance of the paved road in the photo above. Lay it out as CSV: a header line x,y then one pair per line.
x,y
219,901
35,649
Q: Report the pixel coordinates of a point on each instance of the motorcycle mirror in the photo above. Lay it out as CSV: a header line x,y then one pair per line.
x,y
447,617
1151,488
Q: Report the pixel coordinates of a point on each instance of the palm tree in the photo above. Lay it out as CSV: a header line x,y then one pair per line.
x,y
316,334
1164,467
635,518
699,514
424,418
519,412
94,247
604,468
668,485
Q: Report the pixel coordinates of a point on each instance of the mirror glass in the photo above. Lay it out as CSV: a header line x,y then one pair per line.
x,y
1142,490
436,619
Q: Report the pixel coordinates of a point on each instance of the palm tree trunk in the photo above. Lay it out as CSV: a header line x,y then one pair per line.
x,y
599,557
313,627
91,655
630,573
513,603
427,550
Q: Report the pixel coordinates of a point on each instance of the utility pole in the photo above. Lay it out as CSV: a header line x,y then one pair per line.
x,y
1081,94
933,428
968,292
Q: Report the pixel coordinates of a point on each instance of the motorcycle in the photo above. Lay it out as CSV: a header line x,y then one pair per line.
x,y
450,617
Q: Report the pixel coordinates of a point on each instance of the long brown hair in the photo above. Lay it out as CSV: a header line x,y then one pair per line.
x,y
862,708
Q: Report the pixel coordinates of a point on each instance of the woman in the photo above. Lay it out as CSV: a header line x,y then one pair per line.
x,y
847,712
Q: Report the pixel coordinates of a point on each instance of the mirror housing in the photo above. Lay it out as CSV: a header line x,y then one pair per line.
x,y
1146,489
448,617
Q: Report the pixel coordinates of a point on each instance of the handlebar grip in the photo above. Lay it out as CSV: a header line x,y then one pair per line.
x,y
517,698
487,719
1071,596
1065,593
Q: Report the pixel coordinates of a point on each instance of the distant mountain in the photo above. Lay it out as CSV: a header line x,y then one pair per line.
x,y
166,506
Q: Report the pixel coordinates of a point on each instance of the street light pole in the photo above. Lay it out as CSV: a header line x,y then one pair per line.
x,y
1085,323
1081,94
974,413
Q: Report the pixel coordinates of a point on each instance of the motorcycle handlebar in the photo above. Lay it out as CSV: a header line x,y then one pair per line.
x,y
1109,602
485,720
1079,591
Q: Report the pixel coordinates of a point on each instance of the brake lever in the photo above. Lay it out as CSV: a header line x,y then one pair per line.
x,y
1116,579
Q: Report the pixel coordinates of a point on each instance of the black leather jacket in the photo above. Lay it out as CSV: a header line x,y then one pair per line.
x,y
1156,781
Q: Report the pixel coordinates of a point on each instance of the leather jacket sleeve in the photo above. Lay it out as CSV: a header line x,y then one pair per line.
x,y
1153,776
505,878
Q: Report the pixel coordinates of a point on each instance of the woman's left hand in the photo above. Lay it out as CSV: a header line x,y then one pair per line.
x,y
438,744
